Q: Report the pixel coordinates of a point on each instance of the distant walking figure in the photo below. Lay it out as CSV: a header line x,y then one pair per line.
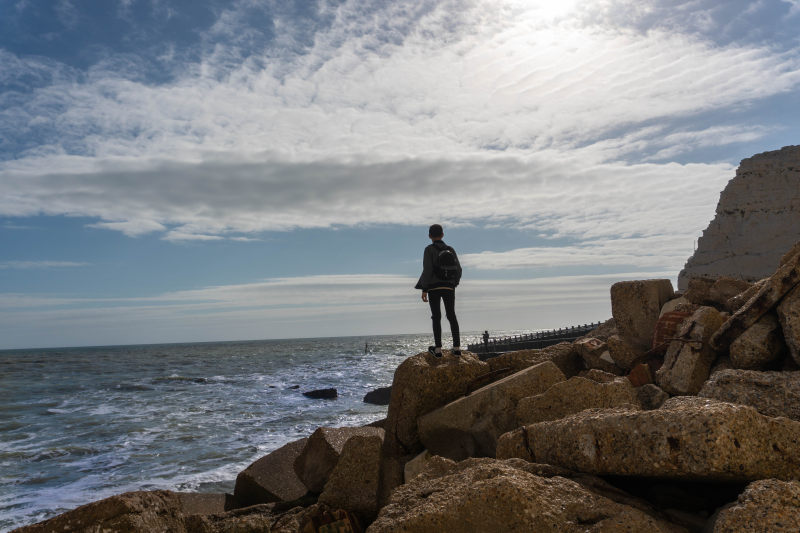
x,y
441,273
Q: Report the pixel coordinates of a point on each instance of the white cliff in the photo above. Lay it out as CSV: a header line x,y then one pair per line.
x,y
757,220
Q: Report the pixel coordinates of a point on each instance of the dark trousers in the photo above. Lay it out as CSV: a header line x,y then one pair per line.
x,y
449,297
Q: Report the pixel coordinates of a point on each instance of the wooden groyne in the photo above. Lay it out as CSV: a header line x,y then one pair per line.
x,y
541,339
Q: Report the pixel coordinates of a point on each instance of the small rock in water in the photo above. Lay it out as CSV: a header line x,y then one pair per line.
x,y
295,387
379,396
321,393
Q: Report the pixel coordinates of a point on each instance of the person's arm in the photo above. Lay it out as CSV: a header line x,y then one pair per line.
x,y
427,274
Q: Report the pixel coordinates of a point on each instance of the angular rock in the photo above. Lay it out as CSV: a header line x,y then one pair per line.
x,y
766,505
598,375
789,316
687,438
667,327
770,393
421,384
698,289
321,453
755,222
508,496
724,289
760,344
353,484
688,361
195,503
736,302
678,304
636,305
640,375
603,331
379,396
416,465
469,426
563,354
575,395
623,353
791,254
271,478
595,355
651,396
131,512
767,296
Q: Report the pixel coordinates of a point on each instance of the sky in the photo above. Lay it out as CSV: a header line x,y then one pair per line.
x,y
183,171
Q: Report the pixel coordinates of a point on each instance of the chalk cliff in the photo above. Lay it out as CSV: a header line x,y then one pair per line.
x,y
757,220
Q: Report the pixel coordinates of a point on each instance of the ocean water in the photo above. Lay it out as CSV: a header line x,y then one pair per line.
x,y
81,424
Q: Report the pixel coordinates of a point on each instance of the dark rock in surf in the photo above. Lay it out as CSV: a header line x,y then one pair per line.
x,y
321,394
379,396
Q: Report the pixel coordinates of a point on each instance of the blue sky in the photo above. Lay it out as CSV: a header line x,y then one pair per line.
x,y
188,171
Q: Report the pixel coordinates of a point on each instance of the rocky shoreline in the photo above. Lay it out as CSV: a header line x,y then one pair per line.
x,y
678,414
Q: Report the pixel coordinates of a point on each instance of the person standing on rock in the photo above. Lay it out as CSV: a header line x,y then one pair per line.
x,y
441,273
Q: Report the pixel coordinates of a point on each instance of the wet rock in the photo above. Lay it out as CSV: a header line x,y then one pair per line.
x,y
688,361
509,496
470,425
321,453
767,296
595,355
353,484
421,384
322,394
563,355
379,396
271,478
789,316
572,396
651,396
687,438
770,393
131,512
759,345
766,505
636,305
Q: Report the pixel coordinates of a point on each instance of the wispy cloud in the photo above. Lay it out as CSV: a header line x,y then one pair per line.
x,y
35,265
307,306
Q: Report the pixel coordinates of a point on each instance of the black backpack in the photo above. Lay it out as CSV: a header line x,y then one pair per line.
x,y
446,266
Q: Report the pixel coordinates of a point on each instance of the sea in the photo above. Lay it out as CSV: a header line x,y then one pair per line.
x,y
81,424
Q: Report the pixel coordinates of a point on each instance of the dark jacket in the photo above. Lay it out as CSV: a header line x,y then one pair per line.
x,y
428,280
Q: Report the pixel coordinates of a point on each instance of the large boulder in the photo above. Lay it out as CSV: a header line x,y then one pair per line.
x,y
271,478
595,355
131,512
509,496
623,353
421,384
789,315
636,305
689,358
315,463
759,345
470,425
768,505
770,393
688,438
575,395
563,355
765,298
353,484
755,222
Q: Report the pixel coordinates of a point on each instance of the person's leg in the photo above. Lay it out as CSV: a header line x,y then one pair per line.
x,y
436,317
449,298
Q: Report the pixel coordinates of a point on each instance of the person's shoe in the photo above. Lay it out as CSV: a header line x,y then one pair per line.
x,y
436,352
456,351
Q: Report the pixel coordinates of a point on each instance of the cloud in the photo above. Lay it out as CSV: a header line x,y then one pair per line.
x,y
516,112
35,265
